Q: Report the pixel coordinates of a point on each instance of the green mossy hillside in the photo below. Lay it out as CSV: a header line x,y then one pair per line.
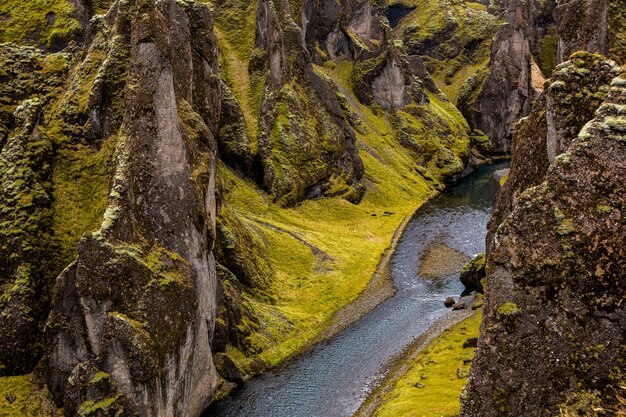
x,y
302,154
48,23
26,396
453,37
437,135
435,378
321,250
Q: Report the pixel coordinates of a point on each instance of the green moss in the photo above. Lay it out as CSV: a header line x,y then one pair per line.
x,y
440,371
363,73
503,179
81,177
437,134
28,22
566,227
132,322
617,31
242,250
32,398
581,404
100,376
300,145
546,53
106,406
509,309
471,89
235,26
453,38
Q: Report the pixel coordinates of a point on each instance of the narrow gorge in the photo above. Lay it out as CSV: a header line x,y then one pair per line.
x,y
258,208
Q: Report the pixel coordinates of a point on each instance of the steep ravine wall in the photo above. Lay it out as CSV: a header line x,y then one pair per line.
x,y
111,198
133,315
552,339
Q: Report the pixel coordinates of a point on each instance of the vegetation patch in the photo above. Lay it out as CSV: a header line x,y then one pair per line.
x,y
49,23
25,396
321,250
432,386
81,178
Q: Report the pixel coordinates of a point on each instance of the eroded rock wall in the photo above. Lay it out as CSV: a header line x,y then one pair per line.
x,y
499,97
552,340
133,315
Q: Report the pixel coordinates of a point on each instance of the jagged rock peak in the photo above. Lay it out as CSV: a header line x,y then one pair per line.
x,y
133,316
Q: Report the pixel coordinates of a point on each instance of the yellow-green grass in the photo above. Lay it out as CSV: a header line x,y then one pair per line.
x,y
30,398
311,285
81,177
453,86
441,373
26,22
235,26
432,17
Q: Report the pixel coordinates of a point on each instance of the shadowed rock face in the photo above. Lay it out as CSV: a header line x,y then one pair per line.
x,y
133,316
591,25
513,81
553,335
552,126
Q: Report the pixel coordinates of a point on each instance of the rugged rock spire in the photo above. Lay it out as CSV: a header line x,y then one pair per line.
x,y
133,316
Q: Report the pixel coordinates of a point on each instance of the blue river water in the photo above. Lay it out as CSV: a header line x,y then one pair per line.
x,y
337,376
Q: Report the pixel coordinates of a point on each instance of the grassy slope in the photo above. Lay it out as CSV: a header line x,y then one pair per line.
x,y
235,32
472,20
25,21
436,368
313,284
30,398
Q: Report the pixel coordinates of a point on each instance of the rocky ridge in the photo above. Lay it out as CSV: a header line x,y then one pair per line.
x,y
555,264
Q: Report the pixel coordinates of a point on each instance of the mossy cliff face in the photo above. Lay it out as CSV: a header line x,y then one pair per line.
x,y
591,25
305,146
552,340
133,315
580,84
452,37
29,80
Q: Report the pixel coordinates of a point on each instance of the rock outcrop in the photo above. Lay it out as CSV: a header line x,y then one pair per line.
x,y
591,25
494,100
133,315
580,84
552,340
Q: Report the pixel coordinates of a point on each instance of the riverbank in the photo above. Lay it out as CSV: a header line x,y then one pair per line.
x,y
435,366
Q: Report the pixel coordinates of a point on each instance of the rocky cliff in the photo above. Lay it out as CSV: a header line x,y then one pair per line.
x,y
184,199
496,99
113,122
132,315
552,340
535,36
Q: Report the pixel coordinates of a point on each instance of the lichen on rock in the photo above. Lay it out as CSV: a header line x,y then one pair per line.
x,y
552,331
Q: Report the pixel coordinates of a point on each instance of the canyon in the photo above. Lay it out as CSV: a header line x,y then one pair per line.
x,y
196,193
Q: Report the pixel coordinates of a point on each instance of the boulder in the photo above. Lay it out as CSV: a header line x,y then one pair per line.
x,y
473,273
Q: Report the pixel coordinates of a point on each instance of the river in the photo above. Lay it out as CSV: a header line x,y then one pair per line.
x,y
337,376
